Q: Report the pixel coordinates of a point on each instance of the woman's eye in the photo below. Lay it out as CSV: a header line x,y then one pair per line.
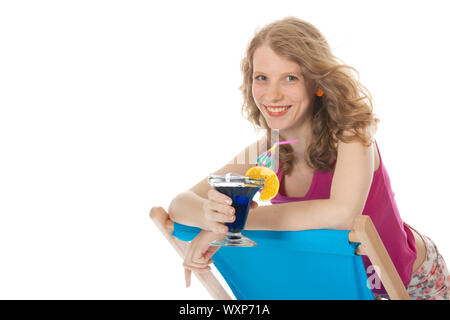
x,y
292,78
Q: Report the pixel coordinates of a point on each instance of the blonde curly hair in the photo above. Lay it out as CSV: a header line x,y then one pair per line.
x,y
345,106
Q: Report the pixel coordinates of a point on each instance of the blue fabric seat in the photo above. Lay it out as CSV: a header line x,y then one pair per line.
x,y
291,265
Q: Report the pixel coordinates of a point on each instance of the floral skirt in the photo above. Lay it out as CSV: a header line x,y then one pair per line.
x,y
431,281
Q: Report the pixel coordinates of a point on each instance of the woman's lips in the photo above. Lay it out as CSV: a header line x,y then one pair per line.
x,y
277,114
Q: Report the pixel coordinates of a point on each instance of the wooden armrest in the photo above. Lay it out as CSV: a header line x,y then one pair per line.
x,y
364,232
207,278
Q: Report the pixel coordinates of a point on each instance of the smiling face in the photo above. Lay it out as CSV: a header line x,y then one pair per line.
x,y
280,91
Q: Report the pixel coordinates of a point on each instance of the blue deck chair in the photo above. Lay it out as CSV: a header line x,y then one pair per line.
x,y
294,265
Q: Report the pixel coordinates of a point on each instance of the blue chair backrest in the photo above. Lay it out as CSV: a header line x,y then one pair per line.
x,y
291,265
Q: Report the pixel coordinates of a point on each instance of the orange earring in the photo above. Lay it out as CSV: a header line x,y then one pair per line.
x,y
319,93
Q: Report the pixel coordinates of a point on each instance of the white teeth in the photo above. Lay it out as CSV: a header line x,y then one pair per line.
x,y
277,109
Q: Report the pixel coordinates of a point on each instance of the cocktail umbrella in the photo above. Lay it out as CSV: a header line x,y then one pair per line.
x,y
266,159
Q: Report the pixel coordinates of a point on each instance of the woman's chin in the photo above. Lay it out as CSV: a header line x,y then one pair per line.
x,y
277,124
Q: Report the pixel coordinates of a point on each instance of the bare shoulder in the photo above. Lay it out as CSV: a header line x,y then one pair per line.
x,y
356,146
240,164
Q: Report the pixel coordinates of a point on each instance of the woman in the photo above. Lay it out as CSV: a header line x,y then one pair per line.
x,y
294,84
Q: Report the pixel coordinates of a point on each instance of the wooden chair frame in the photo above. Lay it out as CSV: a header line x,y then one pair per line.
x,y
363,232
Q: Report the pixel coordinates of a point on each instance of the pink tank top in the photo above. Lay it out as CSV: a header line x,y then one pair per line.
x,y
381,208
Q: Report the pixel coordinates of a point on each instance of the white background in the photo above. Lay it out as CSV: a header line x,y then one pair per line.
x,y
109,108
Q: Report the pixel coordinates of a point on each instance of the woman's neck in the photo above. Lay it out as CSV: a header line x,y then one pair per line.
x,y
303,134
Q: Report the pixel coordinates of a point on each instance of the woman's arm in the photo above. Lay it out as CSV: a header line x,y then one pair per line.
x,y
187,208
349,190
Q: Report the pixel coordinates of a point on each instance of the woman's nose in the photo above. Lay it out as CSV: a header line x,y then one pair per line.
x,y
274,93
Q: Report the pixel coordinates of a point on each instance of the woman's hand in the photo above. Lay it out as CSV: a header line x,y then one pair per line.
x,y
218,210
199,254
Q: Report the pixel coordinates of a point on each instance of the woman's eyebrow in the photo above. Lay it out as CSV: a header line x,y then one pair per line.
x,y
286,73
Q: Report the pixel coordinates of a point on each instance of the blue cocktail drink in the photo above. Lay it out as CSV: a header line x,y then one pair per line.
x,y
242,197
241,189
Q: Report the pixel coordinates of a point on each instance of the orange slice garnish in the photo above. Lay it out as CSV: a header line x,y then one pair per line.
x,y
271,183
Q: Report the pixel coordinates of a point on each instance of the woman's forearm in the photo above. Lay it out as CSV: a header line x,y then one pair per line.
x,y
300,215
187,208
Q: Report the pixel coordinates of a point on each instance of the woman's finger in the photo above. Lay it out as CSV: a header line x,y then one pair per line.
x,y
211,251
217,227
221,208
187,277
205,258
200,264
215,216
200,270
215,195
218,213
195,264
200,260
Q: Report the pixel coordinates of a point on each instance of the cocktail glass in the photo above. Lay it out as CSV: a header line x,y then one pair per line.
x,y
241,189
